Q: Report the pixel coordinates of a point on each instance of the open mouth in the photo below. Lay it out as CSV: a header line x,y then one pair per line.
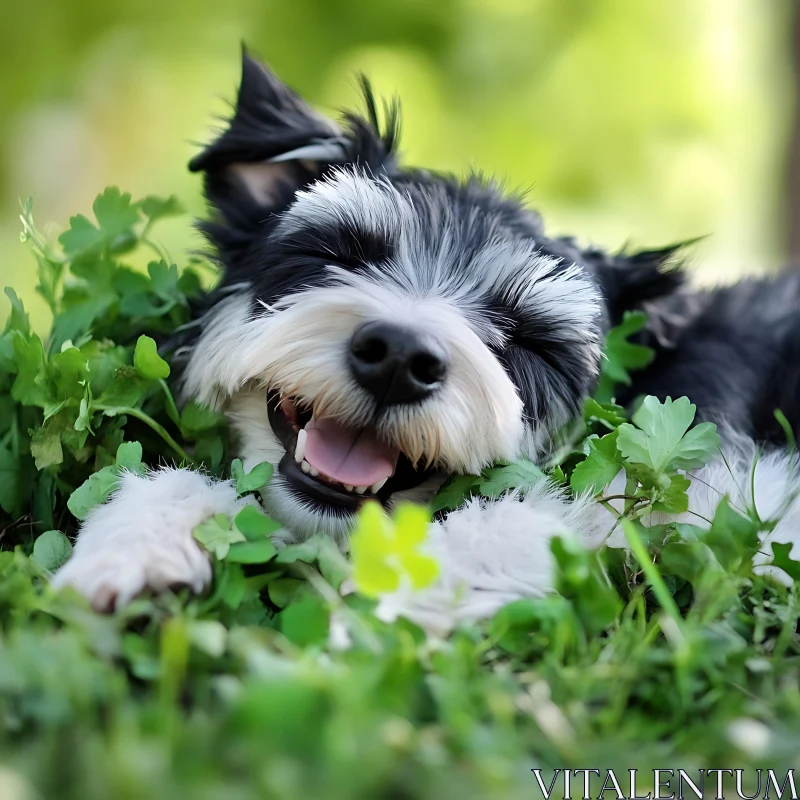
x,y
336,467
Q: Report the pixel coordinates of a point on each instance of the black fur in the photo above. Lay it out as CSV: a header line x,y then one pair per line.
x,y
734,351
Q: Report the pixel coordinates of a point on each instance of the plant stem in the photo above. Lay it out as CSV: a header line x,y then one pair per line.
x,y
651,572
172,408
149,421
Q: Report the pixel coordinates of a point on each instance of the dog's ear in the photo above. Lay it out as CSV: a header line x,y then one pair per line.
x,y
274,144
629,280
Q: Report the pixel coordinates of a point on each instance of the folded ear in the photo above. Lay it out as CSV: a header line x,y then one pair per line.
x,y
275,143
630,280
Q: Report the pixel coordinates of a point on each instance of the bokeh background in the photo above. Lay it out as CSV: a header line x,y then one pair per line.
x,y
628,122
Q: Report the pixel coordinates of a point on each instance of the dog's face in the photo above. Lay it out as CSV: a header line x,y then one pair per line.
x,y
377,329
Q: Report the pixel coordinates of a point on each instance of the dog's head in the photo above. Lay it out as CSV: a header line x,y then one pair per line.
x,y
377,328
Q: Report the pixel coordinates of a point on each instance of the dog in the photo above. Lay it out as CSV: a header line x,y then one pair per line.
x,y
378,329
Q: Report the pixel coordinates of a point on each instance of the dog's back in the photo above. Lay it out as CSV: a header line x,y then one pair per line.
x,y
734,350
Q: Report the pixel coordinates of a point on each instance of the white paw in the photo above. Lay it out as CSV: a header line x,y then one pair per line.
x,y
110,579
142,538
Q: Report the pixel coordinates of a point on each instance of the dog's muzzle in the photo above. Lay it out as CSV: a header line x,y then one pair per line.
x,y
396,365
334,467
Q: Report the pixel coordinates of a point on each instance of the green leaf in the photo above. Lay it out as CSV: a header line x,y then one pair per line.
x,y
520,475
283,590
599,468
661,442
322,550
454,492
79,318
189,283
306,621
581,579
114,212
129,457
525,626
210,451
148,362
18,318
84,420
51,550
251,552
81,238
115,217
96,489
217,535
46,448
673,498
781,557
252,481
30,386
733,538
234,585
156,208
9,481
255,524
197,418
124,391
209,636
620,355
610,414
164,280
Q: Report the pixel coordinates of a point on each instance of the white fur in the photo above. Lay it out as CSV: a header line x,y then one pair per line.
x,y
492,553
300,348
142,537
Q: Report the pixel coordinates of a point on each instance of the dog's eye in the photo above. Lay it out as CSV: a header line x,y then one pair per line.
x,y
346,247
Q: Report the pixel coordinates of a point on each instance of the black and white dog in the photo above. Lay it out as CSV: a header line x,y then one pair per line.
x,y
380,328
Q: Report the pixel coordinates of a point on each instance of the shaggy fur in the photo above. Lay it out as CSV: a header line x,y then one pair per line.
x,y
400,326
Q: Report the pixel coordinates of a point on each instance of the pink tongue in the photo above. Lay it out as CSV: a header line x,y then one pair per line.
x,y
352,457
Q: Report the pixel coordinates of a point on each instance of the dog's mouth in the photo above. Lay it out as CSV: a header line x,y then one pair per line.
x,y
336,467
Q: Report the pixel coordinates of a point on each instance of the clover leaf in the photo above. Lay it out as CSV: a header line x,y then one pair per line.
x,y
385,551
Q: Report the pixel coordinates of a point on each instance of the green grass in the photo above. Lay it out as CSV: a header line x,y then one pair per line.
x,y
273,684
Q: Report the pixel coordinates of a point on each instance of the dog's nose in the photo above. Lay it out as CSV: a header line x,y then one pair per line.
x,y
395,364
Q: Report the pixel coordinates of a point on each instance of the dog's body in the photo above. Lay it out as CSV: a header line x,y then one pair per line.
x,y
378,329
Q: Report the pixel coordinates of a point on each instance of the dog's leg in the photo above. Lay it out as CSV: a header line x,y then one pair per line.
x,y
491,552
142,537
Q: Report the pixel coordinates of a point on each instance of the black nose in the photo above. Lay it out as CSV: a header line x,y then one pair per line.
x,y
396,365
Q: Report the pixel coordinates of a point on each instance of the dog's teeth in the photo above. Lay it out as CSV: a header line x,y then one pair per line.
x,y
300,449
349,488
376,487
305,466
361,489
313,472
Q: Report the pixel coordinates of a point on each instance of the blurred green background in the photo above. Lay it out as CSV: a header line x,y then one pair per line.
x,y
629,121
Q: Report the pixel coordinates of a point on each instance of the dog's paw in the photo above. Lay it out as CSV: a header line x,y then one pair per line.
x,y
110,579
142,538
